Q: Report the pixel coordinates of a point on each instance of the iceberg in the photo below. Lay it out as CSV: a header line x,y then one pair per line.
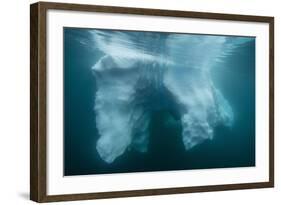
x,y
139,73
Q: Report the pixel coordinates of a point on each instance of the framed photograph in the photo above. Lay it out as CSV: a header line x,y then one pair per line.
x,y
134,102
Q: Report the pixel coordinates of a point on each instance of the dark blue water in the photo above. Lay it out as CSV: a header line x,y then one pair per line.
x,y
231,147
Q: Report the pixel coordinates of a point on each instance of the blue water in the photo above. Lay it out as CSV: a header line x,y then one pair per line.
x,y
231,146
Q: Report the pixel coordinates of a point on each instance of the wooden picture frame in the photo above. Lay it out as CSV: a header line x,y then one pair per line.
x,y
39,103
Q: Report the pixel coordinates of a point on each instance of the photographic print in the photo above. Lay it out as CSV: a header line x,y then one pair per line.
x,y
136,102
143,101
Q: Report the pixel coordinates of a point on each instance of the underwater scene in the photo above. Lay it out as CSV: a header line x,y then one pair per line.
x,y
142,101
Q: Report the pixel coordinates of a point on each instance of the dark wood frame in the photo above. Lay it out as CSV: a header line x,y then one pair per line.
x,y
38,95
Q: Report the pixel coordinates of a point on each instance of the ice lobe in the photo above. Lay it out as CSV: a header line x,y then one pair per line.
x,y
136,72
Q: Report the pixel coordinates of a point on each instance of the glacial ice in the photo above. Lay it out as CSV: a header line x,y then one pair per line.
x,y
142,72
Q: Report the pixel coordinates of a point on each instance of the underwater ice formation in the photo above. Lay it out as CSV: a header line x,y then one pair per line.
x,y
140,72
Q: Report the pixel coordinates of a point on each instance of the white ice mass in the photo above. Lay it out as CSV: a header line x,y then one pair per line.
x,y
140,72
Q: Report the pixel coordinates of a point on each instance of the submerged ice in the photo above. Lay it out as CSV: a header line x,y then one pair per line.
x,y
139,73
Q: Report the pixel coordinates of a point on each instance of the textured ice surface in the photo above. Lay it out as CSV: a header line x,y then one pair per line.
x,y
141,72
